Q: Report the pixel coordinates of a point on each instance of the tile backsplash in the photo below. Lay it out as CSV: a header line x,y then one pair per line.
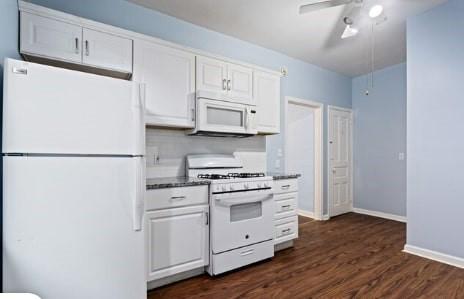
x,y
166,151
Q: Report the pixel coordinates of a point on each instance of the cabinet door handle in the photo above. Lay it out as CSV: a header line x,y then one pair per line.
x,y
193,114
76,45
207,218
228,85
224,84
87,50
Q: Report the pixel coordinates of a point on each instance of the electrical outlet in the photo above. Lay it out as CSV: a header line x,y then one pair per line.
x,y
401,156
152,156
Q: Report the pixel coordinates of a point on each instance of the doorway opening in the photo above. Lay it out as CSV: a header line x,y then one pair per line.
x,y
304,153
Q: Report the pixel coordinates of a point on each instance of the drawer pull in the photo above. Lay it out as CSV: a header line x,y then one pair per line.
x,y
285,186
287,231
178,197
286,207
247,252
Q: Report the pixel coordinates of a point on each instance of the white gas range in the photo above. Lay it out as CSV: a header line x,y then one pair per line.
x,y
241,209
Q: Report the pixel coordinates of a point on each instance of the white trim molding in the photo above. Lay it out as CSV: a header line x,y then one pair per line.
x,y
318,150
305,213
381,215
434,255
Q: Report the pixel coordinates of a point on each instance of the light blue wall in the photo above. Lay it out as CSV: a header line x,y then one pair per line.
x,y
379,137
304,80
435,196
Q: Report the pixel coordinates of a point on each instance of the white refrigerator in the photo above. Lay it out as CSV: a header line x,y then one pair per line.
x,y
73,184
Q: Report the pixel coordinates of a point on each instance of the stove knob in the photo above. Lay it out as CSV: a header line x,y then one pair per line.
x,y
246,186
259,185
231,188
224,188
266,185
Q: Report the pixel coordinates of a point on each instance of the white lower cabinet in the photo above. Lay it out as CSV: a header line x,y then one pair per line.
x,y
177,238
285,211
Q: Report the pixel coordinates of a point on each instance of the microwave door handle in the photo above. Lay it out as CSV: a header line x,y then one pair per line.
x,y
241,200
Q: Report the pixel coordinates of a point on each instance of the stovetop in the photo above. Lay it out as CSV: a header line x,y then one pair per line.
x,y
241,175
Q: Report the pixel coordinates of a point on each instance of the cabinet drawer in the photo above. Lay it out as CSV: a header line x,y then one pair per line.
x,y
285,229
176,197
240,257
285,186
285,205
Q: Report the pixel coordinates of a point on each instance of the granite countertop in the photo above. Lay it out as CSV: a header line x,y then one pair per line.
x,y
283,176
160,183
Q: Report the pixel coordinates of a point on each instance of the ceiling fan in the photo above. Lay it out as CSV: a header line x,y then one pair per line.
x,y
351,19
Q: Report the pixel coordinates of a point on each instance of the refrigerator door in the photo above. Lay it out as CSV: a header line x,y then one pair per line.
x,y
49,110
68,227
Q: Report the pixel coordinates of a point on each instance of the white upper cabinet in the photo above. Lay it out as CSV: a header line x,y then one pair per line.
x,y
240,83
169,78
50,39
230,80
107,51
211,75
267,97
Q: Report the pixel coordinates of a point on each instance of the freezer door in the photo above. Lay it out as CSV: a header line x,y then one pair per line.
x,y
69,227
58,111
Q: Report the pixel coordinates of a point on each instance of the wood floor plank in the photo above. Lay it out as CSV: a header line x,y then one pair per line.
x,y
350,256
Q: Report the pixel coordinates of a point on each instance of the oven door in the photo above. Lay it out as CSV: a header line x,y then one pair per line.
x,y
240,219
225,117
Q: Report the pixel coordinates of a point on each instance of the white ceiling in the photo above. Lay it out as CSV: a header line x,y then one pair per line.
x,y
313,37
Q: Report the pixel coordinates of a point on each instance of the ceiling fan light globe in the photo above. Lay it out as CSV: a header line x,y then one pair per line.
x,y
375,11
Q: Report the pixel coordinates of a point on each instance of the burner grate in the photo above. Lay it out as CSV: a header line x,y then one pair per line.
x,y
246,175
213,176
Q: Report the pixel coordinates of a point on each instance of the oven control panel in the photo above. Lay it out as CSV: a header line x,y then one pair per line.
x,y
240,186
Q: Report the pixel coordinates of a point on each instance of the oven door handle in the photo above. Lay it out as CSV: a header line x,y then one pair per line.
x,y
231,201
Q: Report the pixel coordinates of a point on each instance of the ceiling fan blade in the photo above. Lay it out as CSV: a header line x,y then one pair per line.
x,y
321,5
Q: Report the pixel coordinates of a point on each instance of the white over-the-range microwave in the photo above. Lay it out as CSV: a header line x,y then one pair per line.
x,y
223,117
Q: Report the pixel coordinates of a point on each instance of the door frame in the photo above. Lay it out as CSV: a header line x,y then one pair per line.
x,y
329,164
318,150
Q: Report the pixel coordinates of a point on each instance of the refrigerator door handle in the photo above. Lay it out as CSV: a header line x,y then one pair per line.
x,y
139,199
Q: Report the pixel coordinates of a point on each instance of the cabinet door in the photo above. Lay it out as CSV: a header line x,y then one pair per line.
x,y
240,84
49,38
178,240
211,75
169,78
107,51
267,97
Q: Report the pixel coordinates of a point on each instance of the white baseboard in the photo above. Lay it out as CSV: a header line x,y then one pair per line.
x,y
325,217
380,214
434,255
305,213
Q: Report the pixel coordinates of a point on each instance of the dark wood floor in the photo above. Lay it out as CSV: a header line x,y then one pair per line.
x,y
350,256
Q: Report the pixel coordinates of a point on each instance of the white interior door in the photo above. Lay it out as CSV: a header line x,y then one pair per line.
x,y
340,161
300,147
68,225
